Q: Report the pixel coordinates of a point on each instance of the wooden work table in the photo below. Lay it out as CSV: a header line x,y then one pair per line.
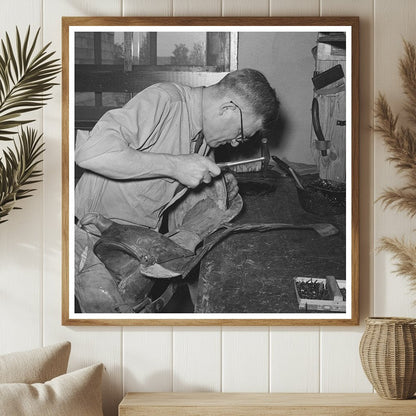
x,y
262,404
253,272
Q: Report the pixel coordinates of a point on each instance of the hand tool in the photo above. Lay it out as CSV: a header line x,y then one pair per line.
x,y
317,125
226,165
285,167
266,154
320,196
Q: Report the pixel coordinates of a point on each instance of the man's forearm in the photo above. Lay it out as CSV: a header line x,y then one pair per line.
x,y
130,164
190,170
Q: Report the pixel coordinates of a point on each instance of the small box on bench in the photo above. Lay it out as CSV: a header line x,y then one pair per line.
x,y
321,294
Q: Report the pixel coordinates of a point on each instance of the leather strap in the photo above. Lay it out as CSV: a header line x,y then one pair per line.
x,y
158,304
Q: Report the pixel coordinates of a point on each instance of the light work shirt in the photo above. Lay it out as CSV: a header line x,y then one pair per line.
x,y
163,118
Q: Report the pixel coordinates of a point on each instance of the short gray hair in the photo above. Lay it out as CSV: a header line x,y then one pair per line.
x,y
252,86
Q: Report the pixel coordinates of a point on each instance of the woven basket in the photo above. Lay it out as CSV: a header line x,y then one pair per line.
x,y
388,356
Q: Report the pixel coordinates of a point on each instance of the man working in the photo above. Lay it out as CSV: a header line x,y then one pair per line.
x,y
142,158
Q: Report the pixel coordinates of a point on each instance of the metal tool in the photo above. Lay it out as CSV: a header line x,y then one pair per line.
x,y
226,165
286,168
266,154
320,196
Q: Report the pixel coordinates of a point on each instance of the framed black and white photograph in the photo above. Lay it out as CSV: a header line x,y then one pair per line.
x,y
210,171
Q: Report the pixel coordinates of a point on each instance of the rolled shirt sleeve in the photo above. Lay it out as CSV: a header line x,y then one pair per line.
x,y
160,119
137,125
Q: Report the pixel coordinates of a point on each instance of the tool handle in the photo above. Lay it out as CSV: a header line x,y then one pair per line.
x,y
316,124
226,165
290,171
266,154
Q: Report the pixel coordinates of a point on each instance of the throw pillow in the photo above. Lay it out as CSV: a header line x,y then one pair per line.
x,y
73,394
35,366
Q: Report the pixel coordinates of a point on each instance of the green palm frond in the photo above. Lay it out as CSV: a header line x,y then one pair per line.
x,y
25,78
19,170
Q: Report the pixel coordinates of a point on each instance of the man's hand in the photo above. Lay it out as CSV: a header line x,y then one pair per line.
x,y
192,170
231,185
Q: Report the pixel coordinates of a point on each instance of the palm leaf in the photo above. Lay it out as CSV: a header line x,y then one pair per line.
x,y
18,169
25,79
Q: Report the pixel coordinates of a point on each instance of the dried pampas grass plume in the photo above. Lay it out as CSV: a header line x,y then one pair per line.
x,y
405,255
401,199
401,143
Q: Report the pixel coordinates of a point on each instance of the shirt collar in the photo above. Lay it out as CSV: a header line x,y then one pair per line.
x,y
195,110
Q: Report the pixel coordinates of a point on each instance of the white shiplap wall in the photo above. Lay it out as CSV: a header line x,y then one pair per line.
x,y
278,359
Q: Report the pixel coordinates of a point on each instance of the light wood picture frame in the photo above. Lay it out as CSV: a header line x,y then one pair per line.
x,y
303,269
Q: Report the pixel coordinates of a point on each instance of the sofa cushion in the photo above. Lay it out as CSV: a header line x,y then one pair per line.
x,y
35,366
73,394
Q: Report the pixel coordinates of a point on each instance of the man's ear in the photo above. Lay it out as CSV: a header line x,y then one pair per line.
x,y
225,106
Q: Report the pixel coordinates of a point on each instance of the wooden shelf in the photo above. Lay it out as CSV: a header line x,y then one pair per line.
x,y
262,404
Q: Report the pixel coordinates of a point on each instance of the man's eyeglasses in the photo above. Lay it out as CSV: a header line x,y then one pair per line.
x,y
241,139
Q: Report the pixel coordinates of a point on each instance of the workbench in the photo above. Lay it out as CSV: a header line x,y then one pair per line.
x,y
262,404
252,272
